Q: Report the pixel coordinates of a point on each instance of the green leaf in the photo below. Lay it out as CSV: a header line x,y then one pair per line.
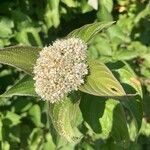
x,y
25,87
108,4
36,139
106,118
125,55
11,119
14,133
145,128
128,76
21,105
119,131
6,26
51,16
143,13
28,36
101,81
35,115
69,3
93,3
22,57
115,32
49,143
27,30
65,116
88,31
103,14
1,129
5,145
133,103
100,46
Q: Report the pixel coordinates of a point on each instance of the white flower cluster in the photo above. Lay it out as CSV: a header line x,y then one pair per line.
x,y
60,69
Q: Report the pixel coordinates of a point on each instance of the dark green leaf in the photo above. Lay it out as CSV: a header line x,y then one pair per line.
x,y
25,87
14,133
106,118
133,86
1,129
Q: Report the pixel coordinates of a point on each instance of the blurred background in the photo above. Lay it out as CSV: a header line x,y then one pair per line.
x,y
23,123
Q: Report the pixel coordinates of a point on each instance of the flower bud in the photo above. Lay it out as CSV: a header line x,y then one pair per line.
x,y
60,69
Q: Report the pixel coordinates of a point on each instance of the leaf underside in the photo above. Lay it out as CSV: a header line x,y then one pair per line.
x,y
66,116
87,32
22,57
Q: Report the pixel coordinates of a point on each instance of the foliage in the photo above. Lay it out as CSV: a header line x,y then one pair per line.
x,y
111,110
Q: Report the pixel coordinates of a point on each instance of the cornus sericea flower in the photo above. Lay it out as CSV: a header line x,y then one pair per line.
x,y
60,68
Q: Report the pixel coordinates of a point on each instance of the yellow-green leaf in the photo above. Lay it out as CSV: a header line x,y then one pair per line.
x,y
101,81
65,116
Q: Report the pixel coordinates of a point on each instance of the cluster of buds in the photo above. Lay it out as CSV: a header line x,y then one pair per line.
x,y
60,69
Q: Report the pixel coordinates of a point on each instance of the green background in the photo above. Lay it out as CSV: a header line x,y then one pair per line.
x,y
23,120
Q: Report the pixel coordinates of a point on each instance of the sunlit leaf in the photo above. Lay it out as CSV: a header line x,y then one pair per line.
x,y
51,15
35,115
49,143
125,55
6,26
101,81
22,57
65,116
88,31
93,3
108,4
11,118
38,138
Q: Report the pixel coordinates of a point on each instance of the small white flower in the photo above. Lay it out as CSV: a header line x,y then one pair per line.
x,y
60,69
